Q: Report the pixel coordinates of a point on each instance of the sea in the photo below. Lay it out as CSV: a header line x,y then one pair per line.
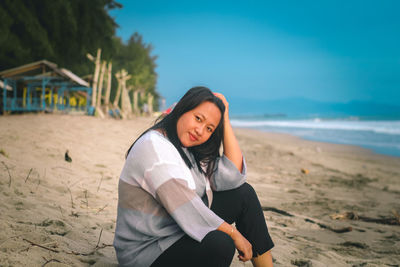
x,y
381,135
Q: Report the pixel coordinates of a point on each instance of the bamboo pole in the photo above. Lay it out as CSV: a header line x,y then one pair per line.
x,y
126,103
141,100
122,96
95,78
126,108
123,73
150,98
109,77
135,102
116,99
100,85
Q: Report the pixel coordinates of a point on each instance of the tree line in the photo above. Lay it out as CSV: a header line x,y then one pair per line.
x,y
63,32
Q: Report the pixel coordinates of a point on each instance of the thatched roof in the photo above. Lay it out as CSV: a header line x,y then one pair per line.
x,y
40,69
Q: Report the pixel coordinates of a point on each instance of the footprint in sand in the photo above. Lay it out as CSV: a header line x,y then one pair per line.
x,y
55,227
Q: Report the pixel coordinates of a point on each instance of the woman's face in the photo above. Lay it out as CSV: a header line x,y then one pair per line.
x,y
196,126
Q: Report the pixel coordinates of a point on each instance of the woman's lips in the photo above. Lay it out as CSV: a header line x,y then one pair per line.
x,y
192,137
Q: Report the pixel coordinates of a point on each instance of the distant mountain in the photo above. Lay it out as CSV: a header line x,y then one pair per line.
x,y
302,107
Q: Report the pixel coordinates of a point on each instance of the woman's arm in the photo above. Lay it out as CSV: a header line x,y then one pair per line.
x,y
231,146
242,245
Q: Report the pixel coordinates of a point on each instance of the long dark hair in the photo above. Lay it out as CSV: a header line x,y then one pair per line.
x,y
205,154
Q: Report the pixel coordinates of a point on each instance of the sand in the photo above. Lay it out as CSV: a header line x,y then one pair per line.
x,y
54,212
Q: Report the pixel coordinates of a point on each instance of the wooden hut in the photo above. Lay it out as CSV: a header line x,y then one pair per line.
x,y
42,86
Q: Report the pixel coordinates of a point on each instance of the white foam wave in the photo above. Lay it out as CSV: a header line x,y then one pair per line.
x,y
385,127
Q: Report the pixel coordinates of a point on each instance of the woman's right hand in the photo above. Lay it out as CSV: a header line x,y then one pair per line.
x,y
226,104
242,245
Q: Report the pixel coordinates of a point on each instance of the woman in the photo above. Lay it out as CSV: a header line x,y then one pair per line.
x,y
178,197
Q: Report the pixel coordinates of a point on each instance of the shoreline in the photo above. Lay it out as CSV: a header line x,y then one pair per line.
x,y
71,207
340,146
373,135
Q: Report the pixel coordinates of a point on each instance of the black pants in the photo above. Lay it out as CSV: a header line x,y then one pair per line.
x,y
240,205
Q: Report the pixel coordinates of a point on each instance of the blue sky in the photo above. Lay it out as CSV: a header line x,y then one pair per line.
x,y
254,50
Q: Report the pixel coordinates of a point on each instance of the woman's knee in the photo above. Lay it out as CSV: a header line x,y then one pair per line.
x,y
247,190
219,247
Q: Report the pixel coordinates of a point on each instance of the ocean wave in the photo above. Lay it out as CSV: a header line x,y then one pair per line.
x,y
384,127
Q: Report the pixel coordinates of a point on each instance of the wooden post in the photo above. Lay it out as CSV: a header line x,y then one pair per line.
x,y
125,102
109,77
24,98
135,102
129,89
141,99
100,85
122,76
150,103
123,72
116,99
96,75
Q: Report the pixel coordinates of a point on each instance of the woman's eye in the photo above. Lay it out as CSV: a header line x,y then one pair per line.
x,y
209,129
198,118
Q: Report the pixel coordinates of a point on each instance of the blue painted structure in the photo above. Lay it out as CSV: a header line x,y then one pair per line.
x,y
50,80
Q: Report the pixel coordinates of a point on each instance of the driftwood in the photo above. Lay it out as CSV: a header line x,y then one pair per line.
x,y
40,246
353,216
343,216
324,226
282,212
354,244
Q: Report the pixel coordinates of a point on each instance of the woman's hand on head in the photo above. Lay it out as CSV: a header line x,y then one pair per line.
x,y
223,99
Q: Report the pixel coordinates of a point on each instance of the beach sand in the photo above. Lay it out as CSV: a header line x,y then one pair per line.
x,y
63,213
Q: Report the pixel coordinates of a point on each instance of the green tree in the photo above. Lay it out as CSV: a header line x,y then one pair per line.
x,y
136,58
57,30
64,31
